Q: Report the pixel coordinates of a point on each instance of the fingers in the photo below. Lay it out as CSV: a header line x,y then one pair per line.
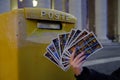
x,y
81,59
77,62
81,63
72,55
78,57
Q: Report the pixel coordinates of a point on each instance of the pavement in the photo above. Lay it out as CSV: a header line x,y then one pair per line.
x,y
106,60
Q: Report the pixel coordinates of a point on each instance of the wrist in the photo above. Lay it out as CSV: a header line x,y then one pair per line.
x,y
85,73
78,72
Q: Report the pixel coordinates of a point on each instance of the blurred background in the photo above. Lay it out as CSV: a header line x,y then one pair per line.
x,y
100,16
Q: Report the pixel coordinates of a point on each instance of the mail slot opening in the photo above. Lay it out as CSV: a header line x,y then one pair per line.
x,y
49,25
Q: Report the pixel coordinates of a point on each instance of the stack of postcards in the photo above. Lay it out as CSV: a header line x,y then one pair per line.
x,y
61,47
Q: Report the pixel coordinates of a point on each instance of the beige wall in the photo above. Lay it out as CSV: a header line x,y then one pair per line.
x,y
118,20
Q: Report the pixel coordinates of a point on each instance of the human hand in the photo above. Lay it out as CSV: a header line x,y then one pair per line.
x,y
76,63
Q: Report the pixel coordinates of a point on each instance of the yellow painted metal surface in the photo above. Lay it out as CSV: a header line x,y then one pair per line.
x,y
8,47
22,45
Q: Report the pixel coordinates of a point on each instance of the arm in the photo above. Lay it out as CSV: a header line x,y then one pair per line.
x,y
90,74
83,73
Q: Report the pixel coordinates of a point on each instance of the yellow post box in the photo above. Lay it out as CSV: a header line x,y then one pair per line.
x,y
24,36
